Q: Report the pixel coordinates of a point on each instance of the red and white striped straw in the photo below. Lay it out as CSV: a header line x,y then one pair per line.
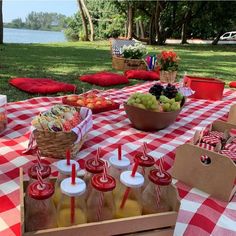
x,y
158,195
104,174
39,178
39,159
145,148
161,165
97,157
119,152
100,204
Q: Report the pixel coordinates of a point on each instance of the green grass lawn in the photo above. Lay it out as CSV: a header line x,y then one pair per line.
x,y
67,61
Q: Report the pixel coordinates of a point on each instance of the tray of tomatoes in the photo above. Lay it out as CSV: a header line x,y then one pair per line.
x,y
93,101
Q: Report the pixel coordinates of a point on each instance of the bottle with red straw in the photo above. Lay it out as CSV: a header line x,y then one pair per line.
x,y
64,168
71,208
153,196
100,202
129,203
40,211
118,163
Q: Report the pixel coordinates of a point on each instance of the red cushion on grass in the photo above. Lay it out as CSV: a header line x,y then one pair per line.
x,y
142,74
40,85
104,79
232,84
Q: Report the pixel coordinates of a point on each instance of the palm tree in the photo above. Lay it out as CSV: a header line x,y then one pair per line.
x,y
1,23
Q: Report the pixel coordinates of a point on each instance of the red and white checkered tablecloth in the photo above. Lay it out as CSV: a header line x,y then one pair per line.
x,y
198,215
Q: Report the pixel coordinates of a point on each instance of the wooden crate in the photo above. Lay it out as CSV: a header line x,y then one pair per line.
x,y
160,224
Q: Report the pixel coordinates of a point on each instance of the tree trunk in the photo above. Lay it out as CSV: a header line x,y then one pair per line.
x,y
142,35
89,19
1,23
130,21
152,32
137,29
85,26
216,40
183,33
158,26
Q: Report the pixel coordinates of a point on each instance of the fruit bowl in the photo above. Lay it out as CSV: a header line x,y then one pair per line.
x,y
147,120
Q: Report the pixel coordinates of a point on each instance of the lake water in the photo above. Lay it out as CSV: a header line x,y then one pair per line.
x,y
32,36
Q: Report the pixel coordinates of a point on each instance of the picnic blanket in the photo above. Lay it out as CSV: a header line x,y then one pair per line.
x,y
199,214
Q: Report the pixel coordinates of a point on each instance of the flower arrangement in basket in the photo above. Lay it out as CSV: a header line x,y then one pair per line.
x,y
59,129
133,57
136,51
168,62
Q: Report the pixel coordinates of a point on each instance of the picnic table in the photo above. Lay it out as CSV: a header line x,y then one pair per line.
x,y
199,214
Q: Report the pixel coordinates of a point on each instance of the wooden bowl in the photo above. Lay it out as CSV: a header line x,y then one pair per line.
x,y
150,120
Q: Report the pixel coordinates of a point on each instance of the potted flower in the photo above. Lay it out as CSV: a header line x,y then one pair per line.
x,y
133,57
168,62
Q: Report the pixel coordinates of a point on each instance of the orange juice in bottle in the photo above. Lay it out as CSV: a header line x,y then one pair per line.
x,y
129,203
64,171
100,203
74,213
153,196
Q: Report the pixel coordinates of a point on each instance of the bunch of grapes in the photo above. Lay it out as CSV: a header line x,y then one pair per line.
x,y
143,100
156,90
170,91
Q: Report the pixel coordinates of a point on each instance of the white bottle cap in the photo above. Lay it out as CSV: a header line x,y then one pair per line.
x,y
3,100
73,190
65,169
124,163
133,182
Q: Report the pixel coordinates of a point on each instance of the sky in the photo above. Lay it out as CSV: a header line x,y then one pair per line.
x,y
13,9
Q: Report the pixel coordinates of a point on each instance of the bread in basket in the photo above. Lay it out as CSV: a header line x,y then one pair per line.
x,y
61,128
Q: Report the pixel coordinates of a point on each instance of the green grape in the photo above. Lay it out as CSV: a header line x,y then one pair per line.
x,y
175,106
179,97
166,107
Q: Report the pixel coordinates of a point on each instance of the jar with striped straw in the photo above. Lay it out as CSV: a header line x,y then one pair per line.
x,y
94,165
100,203
40,212
146,163
153,200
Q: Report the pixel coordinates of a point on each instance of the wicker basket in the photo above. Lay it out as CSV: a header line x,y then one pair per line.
x,y
121,63
168,76
55,144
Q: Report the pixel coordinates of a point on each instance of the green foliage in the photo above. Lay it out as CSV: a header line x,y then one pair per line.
x,y
40,21
67,61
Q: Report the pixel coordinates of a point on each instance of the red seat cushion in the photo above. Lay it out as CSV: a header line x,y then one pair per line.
x,y
40,85
232,84
104,79
142,74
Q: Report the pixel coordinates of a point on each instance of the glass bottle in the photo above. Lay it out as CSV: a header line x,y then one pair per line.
x,y
146,163
130,201
64,171
115,170
100,202
92,167
153,196
39,207
71,209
